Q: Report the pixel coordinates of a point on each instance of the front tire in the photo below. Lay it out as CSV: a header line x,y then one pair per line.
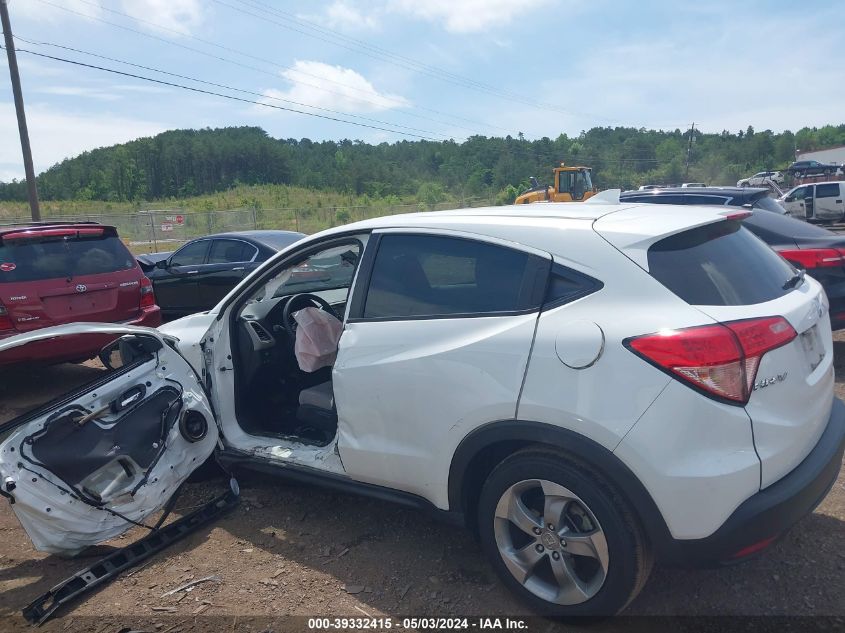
x,y
561,537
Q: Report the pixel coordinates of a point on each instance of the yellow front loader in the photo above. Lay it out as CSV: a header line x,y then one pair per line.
x,y
572,184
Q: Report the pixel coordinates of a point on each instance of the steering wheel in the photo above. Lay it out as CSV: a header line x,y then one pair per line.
x,y
297,302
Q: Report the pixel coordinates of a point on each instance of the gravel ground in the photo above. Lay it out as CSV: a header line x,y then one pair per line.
x,y
291,549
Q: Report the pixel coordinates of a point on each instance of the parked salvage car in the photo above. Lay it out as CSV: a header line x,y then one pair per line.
x,y
816,202
812,168
204,270
54,272
811,248
756,198
589,387
761,178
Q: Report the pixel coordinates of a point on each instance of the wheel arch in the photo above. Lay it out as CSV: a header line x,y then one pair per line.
x,y
483,449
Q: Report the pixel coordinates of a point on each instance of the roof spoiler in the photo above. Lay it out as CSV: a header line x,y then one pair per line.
x,y
608,196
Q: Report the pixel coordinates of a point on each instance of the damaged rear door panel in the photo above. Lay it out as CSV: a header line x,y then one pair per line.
x,y
84,469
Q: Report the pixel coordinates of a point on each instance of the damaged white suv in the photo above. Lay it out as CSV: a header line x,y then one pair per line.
x,y
590,387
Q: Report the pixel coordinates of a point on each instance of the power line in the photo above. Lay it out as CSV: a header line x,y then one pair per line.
x,y
454,79
224,86
275,75
216,94
382,54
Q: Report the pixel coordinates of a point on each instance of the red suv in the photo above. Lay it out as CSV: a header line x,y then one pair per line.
x,y
63,272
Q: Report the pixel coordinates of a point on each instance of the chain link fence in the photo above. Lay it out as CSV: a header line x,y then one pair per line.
x,y
157,230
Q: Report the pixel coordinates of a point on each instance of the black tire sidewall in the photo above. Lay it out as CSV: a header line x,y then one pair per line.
x,y
624,545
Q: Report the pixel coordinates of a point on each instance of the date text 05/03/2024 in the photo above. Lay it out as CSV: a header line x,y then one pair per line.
x,y
424,623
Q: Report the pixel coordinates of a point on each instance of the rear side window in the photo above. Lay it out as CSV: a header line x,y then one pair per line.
x,y
428,275
230,251
720,264
62,256
827,191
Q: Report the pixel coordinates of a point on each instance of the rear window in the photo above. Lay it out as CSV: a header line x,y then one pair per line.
x,y
57,257
720,264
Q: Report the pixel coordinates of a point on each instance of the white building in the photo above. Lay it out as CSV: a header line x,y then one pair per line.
x,y
831,155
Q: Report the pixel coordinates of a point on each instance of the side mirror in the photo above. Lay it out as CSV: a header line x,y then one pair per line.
x,y
164,264
789,199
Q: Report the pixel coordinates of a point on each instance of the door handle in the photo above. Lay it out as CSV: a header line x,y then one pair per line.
x,y
839,202
192,272
239,268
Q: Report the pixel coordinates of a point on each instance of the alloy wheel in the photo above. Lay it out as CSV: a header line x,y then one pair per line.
x,y
551,542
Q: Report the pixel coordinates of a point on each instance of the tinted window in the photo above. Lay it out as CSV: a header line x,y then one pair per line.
x,y
655,198
827,191
567,285
55,257
191,254
426,275
230,251
719,264
696,199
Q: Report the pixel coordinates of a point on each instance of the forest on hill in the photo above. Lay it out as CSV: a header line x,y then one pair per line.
x,y
183,163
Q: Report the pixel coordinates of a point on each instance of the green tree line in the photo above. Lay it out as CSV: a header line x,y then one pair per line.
x,y
183,163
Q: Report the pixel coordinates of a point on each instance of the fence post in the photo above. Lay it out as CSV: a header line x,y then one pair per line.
x,y
254,217
153,232
296,219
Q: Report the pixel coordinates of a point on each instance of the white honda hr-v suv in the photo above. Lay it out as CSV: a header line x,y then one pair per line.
x,y
589,387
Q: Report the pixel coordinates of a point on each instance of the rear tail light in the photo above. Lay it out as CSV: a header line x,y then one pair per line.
x,y
720,360
754,548
814,257
5,319
148,297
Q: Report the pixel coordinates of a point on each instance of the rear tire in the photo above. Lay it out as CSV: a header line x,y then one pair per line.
x,y
560,536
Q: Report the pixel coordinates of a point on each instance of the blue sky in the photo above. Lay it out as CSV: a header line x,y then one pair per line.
x,y
433,68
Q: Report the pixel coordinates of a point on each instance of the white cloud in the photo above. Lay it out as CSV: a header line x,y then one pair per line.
x,y
334,87
78,91
467,16
342,15
56,135
29,10
181,16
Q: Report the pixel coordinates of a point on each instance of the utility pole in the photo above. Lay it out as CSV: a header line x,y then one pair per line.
x,y
32,190
689,147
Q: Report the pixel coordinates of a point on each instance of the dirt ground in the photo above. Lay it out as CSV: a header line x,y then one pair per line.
x,y
291,549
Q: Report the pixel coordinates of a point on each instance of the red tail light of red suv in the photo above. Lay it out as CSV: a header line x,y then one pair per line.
x,y
720,360
148,297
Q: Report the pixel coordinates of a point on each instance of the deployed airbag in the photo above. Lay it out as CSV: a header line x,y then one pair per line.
x,y
317,335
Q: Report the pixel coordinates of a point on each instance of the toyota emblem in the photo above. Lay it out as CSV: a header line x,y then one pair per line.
x,y
81,288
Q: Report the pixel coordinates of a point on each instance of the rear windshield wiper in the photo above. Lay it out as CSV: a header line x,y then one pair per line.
x,y
796,280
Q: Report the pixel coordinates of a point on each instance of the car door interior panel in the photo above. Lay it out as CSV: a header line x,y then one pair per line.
x,y
112,455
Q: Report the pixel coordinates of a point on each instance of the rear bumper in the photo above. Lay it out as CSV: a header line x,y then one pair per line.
x,y
73,348
767,515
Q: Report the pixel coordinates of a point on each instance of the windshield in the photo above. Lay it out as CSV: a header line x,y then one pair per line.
x,y
58,257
